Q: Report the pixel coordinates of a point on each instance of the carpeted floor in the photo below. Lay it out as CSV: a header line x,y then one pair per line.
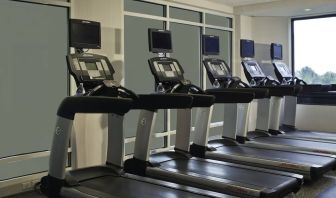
x,y
309,190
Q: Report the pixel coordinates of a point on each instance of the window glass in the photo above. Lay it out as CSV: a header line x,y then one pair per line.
x,y
314,49
183,14
33,81
144,7
211,19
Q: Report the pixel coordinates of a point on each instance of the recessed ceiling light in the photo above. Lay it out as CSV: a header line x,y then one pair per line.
x,y
307,9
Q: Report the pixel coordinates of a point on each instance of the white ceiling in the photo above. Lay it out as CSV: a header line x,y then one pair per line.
x,y
280,7
241,2
288,8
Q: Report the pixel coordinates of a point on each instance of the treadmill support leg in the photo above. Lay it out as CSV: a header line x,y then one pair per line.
x,y
144,134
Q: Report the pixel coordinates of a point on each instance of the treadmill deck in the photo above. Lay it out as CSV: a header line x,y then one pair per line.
x,y
276,155
105,182
315,146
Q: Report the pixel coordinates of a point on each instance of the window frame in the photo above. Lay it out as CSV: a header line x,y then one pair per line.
x,y
311,98
293,36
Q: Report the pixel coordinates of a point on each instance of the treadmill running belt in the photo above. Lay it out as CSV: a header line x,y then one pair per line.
x,y
242,175
129,188
275,155
297,143
312,134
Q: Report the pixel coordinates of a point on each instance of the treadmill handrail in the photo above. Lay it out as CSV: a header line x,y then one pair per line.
x,y
282,90
231,95
163,101
93,104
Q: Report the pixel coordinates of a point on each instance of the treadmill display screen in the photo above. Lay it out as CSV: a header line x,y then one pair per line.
x,y
160,41
167,67
85,34
246,48
276,51
254,68
218,67
210,45
91,66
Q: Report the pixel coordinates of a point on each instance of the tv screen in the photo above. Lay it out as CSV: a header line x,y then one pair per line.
x,y
85,34
246,48
160,41
210,45
276,51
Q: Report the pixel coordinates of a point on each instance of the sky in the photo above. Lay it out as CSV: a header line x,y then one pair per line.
x,y
315,43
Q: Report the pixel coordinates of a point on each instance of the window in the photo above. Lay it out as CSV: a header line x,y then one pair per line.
x,y
313,49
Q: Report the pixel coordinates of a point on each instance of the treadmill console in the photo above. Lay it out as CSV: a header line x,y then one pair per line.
x,y
217,69
166,70
253,71
90,69
282,72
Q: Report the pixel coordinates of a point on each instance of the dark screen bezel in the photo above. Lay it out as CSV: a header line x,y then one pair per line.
x,y
242,42
273,45
150,41
79,45
204,46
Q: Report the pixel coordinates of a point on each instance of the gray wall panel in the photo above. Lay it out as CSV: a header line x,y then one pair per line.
x,y
33,78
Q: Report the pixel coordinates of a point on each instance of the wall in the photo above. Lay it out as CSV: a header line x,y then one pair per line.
x,y
207,5
316,117
90,130
243,30
267,30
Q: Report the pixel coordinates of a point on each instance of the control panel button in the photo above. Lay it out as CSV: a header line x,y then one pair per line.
x,y
99,66
177,68
170,74
156,66
94,74
172,67
105,66
75,61
161,67
83,66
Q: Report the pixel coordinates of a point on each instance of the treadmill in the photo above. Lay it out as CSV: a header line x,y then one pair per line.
x,y
178,165
268,120
95,73
227,148
285,77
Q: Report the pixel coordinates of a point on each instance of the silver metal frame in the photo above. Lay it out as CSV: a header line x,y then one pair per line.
x,y
183,129
116,145
59,148
48,2
275,113
202,123
230,122
290,103
144,134
263,114
243,111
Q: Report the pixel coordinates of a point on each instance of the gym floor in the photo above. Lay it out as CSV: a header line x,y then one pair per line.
x,y
307,191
